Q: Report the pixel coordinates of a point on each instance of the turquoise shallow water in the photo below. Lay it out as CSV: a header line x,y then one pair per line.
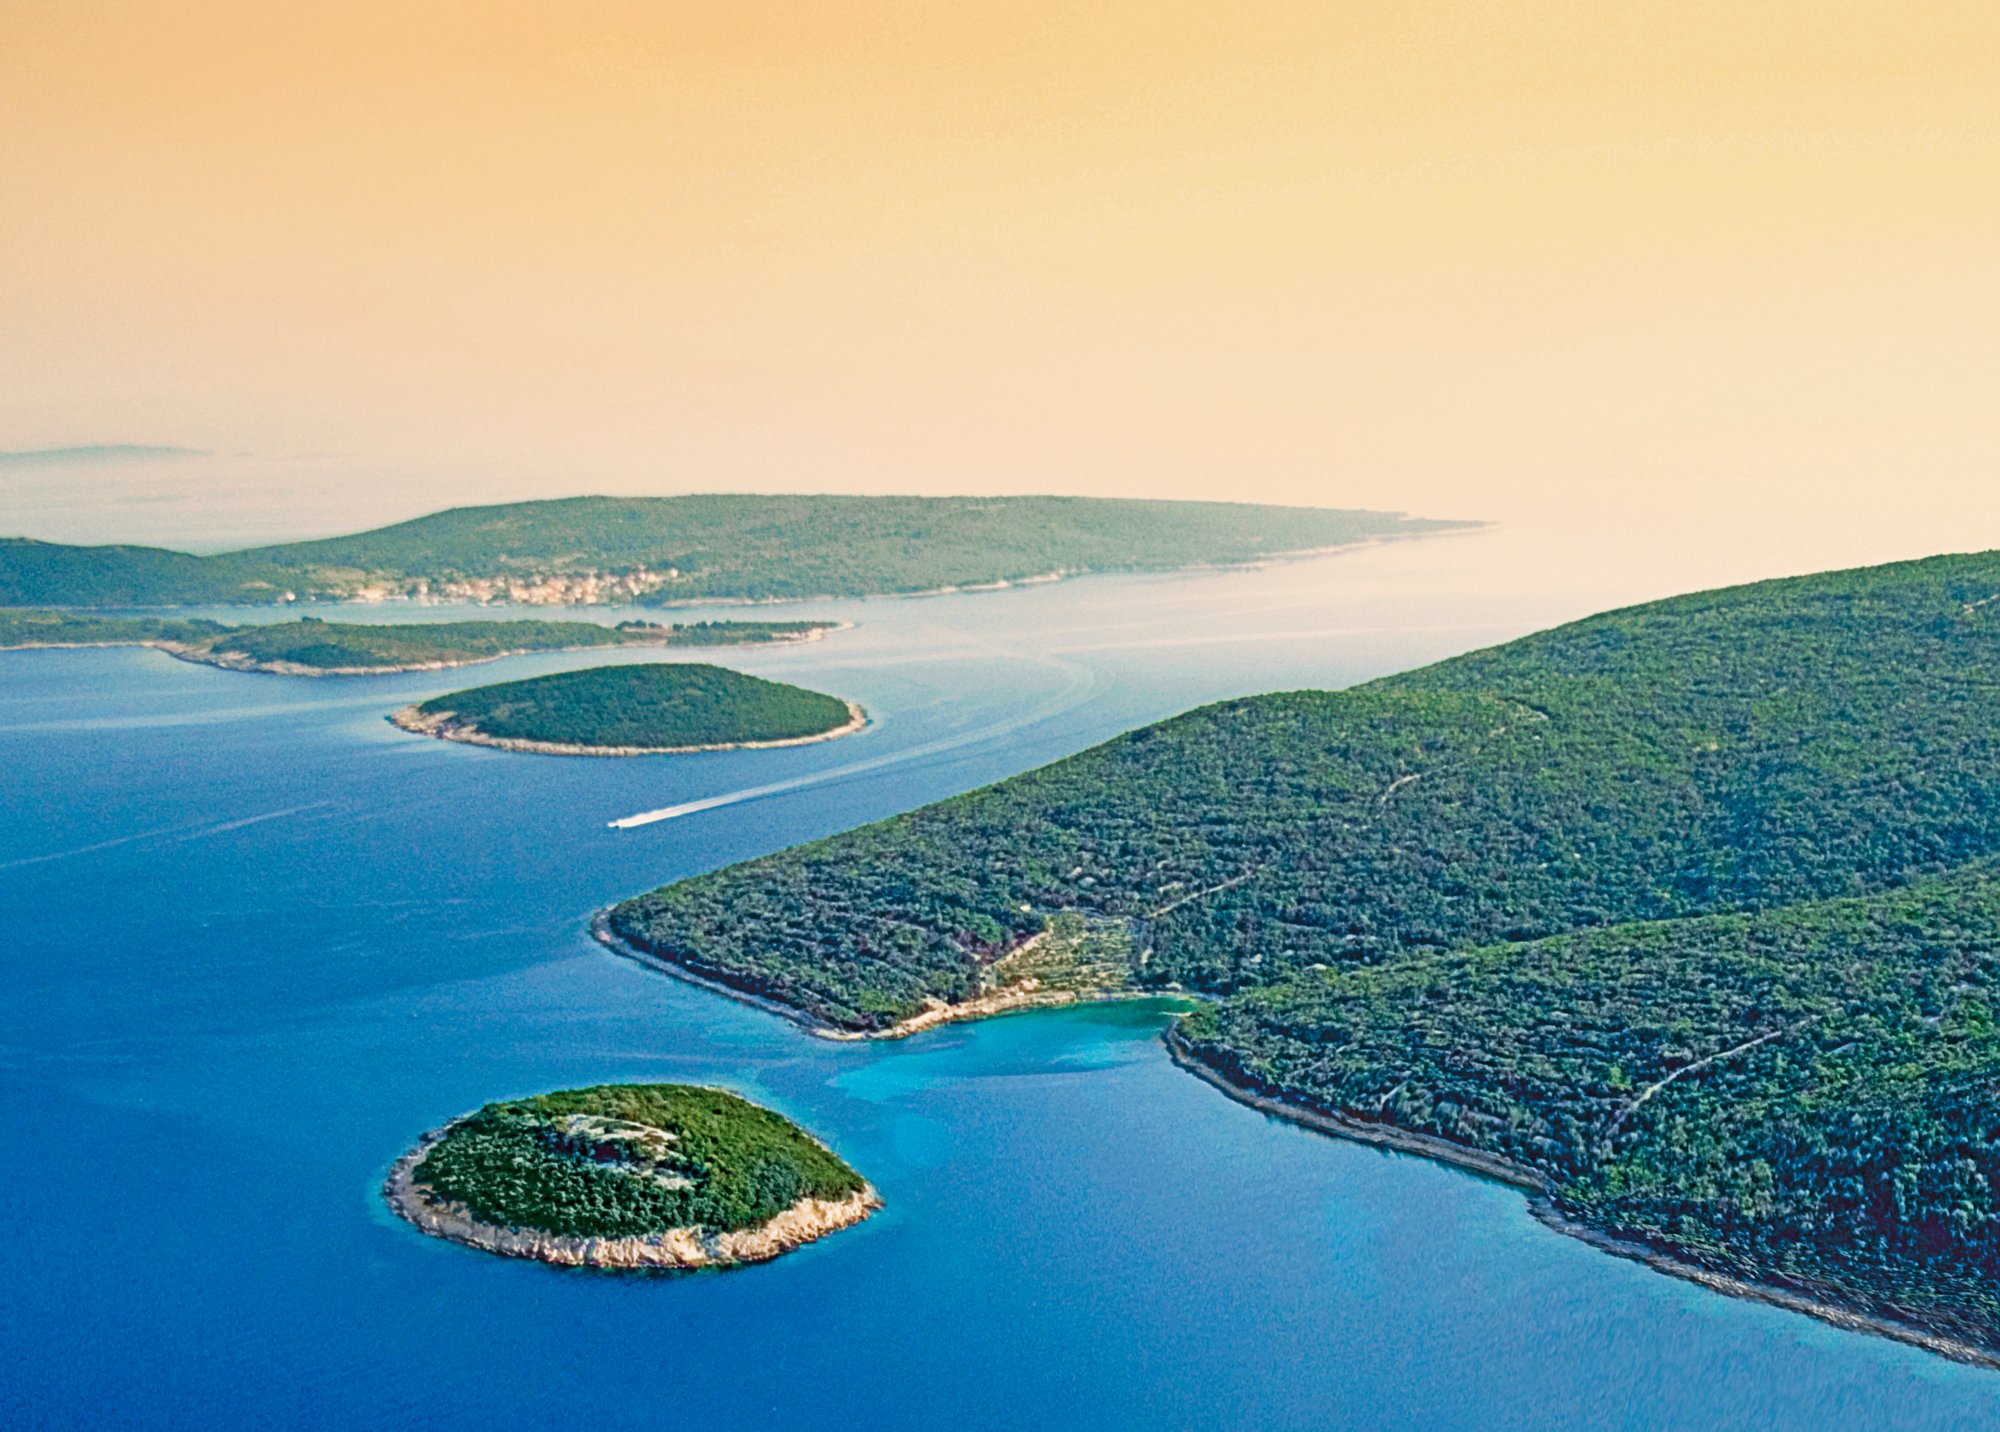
x,y
253,941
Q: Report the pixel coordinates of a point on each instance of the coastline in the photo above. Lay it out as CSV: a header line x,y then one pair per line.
x,y
1359,1131
1828,1306
1444,528
675,1248
236,661
440,725
1014,1001
1839,1310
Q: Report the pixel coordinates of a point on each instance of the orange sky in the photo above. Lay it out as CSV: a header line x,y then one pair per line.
x,y
1647,263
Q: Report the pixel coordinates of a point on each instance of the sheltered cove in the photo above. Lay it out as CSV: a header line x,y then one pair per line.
x,y
1017,999
1851,1315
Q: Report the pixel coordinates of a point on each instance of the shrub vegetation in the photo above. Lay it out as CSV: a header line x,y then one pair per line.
x,y
652,706
629,1160
1686,909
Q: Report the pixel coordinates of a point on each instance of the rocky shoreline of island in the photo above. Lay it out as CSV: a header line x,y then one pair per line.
x,y
445,726
1973,1345
670,1249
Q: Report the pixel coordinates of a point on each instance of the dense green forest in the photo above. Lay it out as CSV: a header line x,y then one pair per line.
x,y
628,1160
664,549
50,574
321,646
1657,805
1806,1093
654,706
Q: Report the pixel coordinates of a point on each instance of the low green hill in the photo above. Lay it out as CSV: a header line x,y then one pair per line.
x,y
49,574
657,706
1738,750
631,1160
1491,899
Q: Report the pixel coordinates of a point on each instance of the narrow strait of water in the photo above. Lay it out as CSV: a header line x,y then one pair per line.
x,y
253,941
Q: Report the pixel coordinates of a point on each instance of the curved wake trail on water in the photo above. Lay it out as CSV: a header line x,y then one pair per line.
x,y
1082,681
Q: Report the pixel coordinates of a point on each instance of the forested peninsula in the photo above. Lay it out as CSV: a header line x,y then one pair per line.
x,y
311,647
629,1177
657,708
709,547
1685,917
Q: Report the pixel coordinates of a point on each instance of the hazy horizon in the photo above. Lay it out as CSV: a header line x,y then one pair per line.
x,y
1691,280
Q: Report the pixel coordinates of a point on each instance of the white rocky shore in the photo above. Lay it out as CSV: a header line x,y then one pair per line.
x,y
804,1221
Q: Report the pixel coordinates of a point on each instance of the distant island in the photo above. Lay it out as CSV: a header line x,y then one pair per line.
x,y
712,547
656,708
311,647
628,1176
1685,918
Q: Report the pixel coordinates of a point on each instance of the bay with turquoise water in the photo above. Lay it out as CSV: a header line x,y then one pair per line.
x,y
254,941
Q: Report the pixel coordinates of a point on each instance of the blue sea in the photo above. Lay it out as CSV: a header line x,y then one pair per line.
x,y
254,942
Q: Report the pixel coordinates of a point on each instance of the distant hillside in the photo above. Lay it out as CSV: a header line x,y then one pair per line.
x,y
49,574
728,547
1637,904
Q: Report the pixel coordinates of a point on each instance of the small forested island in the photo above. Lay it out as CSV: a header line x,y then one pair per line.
x,y
628,1176
312,647
1686,918
704,547
654,708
